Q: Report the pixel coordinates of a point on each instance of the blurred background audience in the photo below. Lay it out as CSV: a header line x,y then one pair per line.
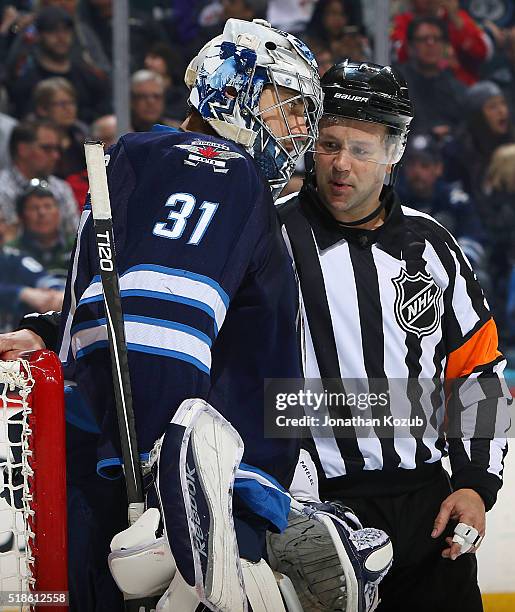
x,y
25,286
35,149
496,206
56,72
423,186
51,56
55,99
148,100
486,125
468,45
41,232
435,92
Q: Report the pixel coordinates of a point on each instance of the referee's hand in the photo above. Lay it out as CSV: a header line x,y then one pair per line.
x,y
464,506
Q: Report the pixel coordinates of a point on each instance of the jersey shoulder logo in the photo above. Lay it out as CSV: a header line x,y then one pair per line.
x,y
418,306
213,154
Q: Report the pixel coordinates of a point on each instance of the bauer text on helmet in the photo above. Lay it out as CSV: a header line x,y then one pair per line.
x,y
367,93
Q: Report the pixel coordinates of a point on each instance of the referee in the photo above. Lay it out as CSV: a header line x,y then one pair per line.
x,y
388,297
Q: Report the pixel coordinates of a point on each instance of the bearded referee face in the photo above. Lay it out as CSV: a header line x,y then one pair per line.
x,y
351,162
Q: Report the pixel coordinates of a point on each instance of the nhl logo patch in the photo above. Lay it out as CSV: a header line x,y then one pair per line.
x,y
213,154
418,307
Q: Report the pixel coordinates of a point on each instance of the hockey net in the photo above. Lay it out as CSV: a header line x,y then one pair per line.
x,y
32,476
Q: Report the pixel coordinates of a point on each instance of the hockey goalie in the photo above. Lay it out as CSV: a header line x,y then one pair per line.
x,y
330,562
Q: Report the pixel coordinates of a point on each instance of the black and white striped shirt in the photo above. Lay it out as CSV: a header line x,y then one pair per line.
x,y
404,305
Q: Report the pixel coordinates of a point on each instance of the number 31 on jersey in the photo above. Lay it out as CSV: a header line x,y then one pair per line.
x,y
183,205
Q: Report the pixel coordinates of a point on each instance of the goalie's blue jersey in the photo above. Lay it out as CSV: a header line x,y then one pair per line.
x,y
207,287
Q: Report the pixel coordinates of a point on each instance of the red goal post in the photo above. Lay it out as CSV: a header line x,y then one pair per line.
x,y
33,528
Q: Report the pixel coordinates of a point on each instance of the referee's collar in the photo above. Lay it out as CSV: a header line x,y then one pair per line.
x,y
328,231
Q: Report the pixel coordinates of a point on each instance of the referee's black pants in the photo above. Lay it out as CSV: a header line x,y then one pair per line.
x,y
420,579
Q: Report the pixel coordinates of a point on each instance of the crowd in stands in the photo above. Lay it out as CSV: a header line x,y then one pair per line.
x,y
56,70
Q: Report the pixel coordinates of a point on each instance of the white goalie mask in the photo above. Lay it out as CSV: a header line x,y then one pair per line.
x,y
226,80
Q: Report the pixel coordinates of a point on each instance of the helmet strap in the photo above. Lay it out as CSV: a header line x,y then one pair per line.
x,y
393,175
366,219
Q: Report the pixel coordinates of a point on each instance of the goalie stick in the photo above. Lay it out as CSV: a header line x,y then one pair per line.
x,y
104,237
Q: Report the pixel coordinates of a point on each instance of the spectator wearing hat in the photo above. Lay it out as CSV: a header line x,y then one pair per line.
x,y
423,187
35,149
144,31
41,234
435,92
86,44
51,57
487,125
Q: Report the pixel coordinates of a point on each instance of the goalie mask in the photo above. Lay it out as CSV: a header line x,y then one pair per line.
x,y
227,79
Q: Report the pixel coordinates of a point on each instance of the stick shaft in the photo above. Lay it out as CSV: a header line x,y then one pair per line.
x,y
103,227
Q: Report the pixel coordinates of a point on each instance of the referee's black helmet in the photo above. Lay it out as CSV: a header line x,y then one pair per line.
x,y
368,92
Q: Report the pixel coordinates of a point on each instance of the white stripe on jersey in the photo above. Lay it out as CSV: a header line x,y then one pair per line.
x,y
495,465
166,285
460,307
327,449
502,425
395,368
372,452
152,339
461,302
499,370
466,446
265,482
402,356
405,447
388,267
285,198
65,344
336,263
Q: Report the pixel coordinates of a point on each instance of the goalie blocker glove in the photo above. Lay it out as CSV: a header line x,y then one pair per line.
x,y
334,563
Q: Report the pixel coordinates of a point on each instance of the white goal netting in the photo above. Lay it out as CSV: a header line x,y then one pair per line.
x,y
16,477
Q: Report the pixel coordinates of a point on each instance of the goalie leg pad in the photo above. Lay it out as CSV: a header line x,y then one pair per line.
x,y
288,593
141,564
179,596
261,587
197,460
333,566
